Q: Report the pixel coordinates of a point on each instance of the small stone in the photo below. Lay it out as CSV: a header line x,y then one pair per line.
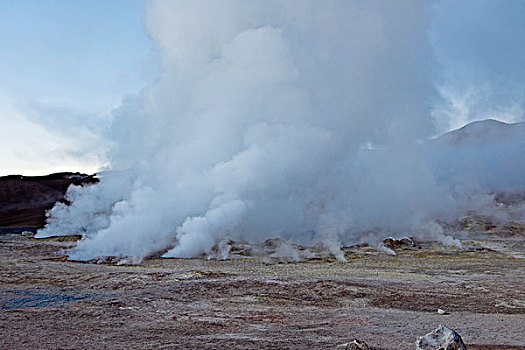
x,y
441,338
442,312
354,345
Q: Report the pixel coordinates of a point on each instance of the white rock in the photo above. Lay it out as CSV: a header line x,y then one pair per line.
x,y
442,312
441,338
354,345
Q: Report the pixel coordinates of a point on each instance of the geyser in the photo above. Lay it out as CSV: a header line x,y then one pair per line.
x,y
302,120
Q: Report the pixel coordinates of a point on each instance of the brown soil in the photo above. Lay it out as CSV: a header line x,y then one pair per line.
x,y
386,301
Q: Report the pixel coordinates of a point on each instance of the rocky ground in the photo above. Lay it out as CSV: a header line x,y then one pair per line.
x,y
253,303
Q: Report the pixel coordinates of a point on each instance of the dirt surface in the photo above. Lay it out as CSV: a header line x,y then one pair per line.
x,y
243,303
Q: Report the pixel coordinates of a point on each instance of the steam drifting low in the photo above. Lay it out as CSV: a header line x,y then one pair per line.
x,y
304,120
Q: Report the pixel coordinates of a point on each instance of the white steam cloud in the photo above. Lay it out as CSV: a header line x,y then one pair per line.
x,y
302,120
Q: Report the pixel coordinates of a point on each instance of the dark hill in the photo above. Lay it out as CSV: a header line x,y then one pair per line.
x,y
24,199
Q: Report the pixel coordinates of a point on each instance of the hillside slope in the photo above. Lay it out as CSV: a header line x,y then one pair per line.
x,y
24,199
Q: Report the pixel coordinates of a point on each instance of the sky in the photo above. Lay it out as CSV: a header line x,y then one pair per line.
x,y
480,47
65,65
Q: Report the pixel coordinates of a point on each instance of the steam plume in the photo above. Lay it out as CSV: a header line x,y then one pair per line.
x,y
302,120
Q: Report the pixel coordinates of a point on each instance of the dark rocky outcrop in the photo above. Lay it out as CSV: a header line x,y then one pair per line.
x,y
25,199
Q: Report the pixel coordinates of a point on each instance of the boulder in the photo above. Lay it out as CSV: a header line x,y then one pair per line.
x,y
441,338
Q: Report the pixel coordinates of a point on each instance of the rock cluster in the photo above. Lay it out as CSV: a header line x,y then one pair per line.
x,y
393,243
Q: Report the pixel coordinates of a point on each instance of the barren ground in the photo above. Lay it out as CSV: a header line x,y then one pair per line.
x,y
386,301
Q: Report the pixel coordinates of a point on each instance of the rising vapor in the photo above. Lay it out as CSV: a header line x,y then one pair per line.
x,y
304,120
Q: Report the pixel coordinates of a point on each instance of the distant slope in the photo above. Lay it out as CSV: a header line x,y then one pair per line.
x,y
484,155
24,199
488,130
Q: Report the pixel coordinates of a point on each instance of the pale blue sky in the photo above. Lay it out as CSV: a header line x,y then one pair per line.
x,y
480,46
77,48
66,62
